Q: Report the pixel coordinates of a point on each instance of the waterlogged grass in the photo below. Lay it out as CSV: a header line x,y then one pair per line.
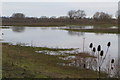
x,y
115,31
53,49
24,62
4,27
95,25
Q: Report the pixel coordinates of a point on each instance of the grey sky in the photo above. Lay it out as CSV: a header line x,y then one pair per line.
x,y
37,9
59,0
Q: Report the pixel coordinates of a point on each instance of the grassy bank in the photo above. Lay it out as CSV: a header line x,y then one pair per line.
x,y
67,25
24,62
96,30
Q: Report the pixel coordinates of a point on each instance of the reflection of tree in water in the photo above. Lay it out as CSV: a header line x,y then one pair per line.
x,y
76,33
99,34
44,28
76,27
18,29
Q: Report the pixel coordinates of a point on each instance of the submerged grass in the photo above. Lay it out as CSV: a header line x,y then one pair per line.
x,y
116,31
24,62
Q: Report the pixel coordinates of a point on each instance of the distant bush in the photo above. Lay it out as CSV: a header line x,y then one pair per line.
x,y
18,15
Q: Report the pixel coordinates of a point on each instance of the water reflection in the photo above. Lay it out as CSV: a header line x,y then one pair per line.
x,y
53,37
72,33
119,55
81,27
0,34
18,29
44,28
100,34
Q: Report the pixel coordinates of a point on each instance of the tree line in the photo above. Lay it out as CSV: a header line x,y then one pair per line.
x,y
73,14
73,17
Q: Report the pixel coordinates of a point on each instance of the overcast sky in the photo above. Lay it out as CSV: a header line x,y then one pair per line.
x,y
59,0
37,9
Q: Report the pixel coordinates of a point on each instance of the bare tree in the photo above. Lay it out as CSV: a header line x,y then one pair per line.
x,y
44,17
117,15
80,14
63,17
71,14
102,16
53,17
96,15
18,15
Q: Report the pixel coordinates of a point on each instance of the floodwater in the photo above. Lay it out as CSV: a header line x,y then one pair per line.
x,y
54,37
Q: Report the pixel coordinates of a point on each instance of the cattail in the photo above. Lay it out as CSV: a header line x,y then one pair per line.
x,y
101,53
84,66
99,48
94,49
108,44
91,45
112,61
112,68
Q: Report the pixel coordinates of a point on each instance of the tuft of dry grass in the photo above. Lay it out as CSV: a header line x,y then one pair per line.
x,y
84,55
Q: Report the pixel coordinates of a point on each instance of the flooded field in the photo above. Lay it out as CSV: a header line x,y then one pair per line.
x,y
54,37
